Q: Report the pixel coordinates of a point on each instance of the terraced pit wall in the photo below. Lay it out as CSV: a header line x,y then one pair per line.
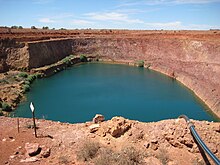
x,y
193,61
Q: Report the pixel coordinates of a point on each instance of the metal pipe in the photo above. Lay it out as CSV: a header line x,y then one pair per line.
x,y
199,140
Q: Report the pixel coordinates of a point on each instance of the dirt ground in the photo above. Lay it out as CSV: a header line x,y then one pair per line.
x,y
128,141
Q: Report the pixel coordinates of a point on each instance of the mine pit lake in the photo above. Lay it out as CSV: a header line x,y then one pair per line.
x,y
78,93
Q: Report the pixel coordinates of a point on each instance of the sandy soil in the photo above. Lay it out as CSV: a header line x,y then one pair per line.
x,y
163,142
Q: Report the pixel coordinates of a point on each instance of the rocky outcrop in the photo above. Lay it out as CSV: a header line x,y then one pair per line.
x,y
32,149
13,55
98,118
165,142
45,53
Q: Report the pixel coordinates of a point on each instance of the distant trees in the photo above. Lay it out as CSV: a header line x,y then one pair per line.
x,y
45,27
16,27
33,27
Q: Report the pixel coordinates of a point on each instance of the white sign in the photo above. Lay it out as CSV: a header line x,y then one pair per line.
x,y
32,107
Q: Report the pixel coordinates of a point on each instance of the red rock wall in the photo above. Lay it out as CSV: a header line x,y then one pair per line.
x,y
13,55
193,61
48,52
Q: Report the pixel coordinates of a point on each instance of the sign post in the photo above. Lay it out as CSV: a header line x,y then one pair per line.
x,y
18,124
32,110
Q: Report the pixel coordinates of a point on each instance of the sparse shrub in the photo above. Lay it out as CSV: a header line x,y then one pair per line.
x,y
26,88
33,27
67,61
140,63
133,155
20,27
106,156
198,162
3,81
31,78
5,107
162,156
37,75
127,156
83,58
14,27
45,27
1,113
23,74
88,150
63,160
27,82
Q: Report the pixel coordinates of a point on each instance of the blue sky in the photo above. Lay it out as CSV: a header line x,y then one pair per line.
x,y
112,14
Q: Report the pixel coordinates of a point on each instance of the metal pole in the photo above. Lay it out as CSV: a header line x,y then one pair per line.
x,y
18,124
199,140
35,132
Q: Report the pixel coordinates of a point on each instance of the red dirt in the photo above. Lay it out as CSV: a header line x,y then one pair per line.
x,y
169,137
26,35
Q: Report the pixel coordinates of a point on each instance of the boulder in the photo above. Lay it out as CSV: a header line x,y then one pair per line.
x,y
46,153
93,128
32,149
118,126
98,118
31,159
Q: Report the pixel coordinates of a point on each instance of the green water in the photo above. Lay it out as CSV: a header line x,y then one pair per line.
x,y
77,94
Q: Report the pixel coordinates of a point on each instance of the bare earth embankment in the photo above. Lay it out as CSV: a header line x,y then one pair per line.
x,y
114,141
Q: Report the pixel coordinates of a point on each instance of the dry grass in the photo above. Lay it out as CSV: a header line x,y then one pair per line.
x,y
88,150
63,160
163,156
127,156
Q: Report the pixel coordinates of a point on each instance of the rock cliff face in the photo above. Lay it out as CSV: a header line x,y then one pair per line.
x,y
193,59
13,55
48,52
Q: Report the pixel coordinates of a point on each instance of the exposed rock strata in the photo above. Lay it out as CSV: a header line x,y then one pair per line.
x,y
190,57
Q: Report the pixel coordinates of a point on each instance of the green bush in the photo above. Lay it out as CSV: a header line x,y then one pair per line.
x,y
26,88
45,27
5,107
23,74
66,61
31,78
14,27
33,27
140,63
1,113
27,82
83,58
